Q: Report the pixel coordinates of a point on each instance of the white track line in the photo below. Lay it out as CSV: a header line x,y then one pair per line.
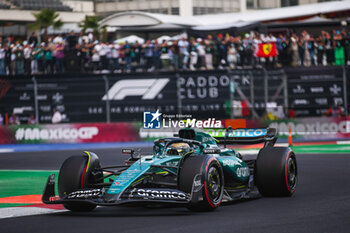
x,y
6,150
343,142
13,212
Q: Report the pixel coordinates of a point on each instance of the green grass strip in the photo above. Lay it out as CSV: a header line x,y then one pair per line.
x,y
23,182
316,149
7,205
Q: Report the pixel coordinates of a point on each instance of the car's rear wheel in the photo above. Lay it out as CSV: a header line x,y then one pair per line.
x,y
276,171
212,179
75,174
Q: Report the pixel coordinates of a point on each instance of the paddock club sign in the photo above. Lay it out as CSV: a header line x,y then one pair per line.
x,y
200,95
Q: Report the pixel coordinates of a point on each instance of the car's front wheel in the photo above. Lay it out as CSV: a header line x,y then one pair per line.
x,y
75,174
212,179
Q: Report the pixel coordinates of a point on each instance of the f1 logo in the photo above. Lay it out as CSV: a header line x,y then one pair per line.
x,y
149,89
151,120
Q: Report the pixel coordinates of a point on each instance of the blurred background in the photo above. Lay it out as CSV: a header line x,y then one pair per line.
x,y
80,71
80,75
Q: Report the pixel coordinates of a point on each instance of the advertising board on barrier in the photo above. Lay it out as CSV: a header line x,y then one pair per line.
x,y
314,127
222,94
312,91
325,128
69,133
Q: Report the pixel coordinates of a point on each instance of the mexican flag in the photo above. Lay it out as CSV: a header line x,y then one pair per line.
x,y
267,50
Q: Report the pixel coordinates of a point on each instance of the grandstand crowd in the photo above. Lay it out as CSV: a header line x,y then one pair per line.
x,y
212,52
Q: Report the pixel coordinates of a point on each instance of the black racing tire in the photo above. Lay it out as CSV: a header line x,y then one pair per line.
x,y
212,177
276,172
72,177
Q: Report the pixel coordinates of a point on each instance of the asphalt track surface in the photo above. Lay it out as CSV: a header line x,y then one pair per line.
x,y
320,204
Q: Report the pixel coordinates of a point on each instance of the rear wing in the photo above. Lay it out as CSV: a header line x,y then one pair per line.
x,y
267,136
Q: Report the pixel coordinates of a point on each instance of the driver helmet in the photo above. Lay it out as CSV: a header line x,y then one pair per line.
x,y
179,148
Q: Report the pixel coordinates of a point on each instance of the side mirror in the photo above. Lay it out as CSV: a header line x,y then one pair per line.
x,y
128,152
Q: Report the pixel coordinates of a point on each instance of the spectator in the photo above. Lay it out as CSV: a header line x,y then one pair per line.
x,y
137,51
175,53
103,56
8,53
2,60
201,54
57,117
231,56
209,52
329,48
184,55
222,52
307,55
148,48
48,60
164,55
33,39
59,51
57,40
257,61
156,55
301,50
127,56
283,50
95,58
339,53
19,58
291,113
41,57
32,120
320,47
14,120
13,59
115,57
294,49
86,56
27,53
334,111
271,61
194,53
34,64
346,43
72,40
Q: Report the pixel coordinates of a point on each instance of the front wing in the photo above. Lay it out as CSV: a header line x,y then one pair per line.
x,y
99,196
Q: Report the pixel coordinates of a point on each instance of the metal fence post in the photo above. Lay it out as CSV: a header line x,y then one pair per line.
x,y
232,94
266,90
179,100
285,93
252,94
108,107
36,103
345,91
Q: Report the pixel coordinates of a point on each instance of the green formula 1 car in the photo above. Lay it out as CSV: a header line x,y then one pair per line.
x,y
191,170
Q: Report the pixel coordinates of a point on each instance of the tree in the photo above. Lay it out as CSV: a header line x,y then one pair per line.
x,y
44,19
92,22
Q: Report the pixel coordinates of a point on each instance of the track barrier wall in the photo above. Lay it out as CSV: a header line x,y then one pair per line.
x,y
221,94
314,128
69,133
250,94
